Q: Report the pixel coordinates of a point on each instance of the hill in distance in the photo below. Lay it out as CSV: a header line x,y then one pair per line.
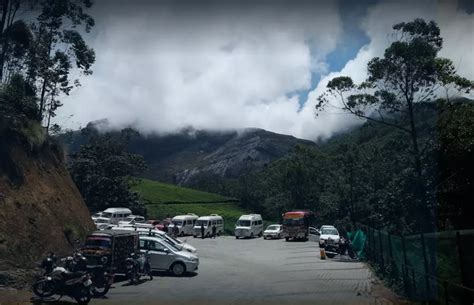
x,y
164,200
186,157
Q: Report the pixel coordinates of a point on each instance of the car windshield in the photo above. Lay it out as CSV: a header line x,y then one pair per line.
x,y
169,243
97,214
329,231
293,222
201,222
177,222
243,223
106,215
129,218
273,227
173,240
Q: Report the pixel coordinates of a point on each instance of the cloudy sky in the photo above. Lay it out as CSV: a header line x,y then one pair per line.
x,y
165,65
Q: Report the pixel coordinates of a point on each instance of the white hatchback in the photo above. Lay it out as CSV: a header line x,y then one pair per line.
x,y
166,257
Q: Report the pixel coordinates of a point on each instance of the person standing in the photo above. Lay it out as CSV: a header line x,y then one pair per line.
x,y
214,231
202,230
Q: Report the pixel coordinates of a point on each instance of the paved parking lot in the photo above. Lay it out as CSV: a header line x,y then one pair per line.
x,y
255,271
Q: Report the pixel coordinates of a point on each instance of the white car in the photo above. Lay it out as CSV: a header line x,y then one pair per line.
x,y
273,231
131,220
329,234
165,257
182,245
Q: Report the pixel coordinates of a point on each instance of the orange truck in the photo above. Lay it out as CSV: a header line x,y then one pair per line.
x,y
299,225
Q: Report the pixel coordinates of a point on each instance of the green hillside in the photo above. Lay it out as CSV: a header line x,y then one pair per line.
x,y
164,200
158,192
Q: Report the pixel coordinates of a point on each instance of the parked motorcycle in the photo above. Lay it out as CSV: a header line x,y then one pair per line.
x,y
61,282
102,280
138,265
342,247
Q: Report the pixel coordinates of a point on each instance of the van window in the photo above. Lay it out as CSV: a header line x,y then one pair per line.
x,y
189,222
219,221
214,222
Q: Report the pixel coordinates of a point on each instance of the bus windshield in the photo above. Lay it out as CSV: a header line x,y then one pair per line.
x,y
293,222
201,222
243,223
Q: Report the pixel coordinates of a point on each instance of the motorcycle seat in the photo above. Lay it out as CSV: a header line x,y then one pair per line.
x,y
72,275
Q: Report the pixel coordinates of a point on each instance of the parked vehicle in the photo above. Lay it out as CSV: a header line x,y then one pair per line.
x,y
166,257
61,282
163,225
114,215
138,265
342,247
249,226
296,225
208,222
110,248
96,216
329,240
273,231
183,223
132,219
160,234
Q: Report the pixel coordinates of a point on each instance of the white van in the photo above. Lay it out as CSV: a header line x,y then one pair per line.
x,y
113,215
249,226
208,222
184,223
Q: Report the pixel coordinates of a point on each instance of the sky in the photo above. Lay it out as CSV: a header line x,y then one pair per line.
x,y
162,66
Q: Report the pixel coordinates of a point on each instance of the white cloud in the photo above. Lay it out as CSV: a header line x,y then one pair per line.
x,y
236,67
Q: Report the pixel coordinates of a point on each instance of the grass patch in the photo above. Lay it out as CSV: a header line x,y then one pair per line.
x,y
163,200
229,211
158,192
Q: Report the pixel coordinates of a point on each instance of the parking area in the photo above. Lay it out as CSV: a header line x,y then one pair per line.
x,y
255,271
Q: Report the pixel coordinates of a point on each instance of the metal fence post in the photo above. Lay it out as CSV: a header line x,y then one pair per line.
x,y
466,294
382,263
446,294
405,263
425,261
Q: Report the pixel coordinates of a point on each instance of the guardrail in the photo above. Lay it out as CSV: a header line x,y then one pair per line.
x,y
437,268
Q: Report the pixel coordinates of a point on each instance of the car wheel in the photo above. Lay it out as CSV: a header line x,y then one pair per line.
x,y
194,236
330,255
236,237
251,235
287,239
178,269
278,236
181,234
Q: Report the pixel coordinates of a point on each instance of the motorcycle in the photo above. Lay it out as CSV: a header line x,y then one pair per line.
x,y
333,248
102,280
76,285
138,265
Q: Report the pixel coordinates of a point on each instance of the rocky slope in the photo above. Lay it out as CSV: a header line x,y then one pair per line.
x,y
191,155
41,208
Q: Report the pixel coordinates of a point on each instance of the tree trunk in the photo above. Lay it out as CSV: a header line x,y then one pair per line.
x,y
2,35
426,216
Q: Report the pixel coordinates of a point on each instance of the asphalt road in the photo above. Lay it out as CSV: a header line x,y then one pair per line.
x,y
254,271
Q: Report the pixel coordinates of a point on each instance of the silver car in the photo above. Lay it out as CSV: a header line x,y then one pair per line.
x,y
273,231
166,257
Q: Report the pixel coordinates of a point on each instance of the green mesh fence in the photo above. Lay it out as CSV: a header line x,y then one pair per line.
x,y
436,267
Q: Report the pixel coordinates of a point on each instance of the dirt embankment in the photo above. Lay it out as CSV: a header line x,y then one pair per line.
x,y
41,209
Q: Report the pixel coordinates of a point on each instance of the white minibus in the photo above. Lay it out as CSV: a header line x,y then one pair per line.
x,y
249,226
207,222
184,224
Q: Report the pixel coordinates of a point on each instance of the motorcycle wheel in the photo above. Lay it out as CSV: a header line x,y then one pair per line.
x,y
83,297
100,291
43,288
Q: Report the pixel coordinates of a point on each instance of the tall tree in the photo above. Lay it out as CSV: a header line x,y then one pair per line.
x,y
410,72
